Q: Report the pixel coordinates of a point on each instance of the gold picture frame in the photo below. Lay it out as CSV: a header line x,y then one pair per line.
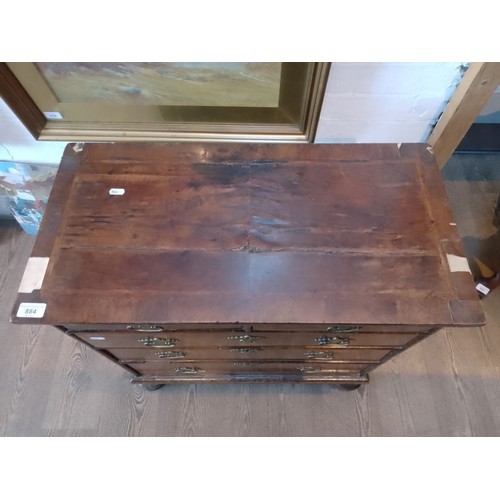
x,y
293,118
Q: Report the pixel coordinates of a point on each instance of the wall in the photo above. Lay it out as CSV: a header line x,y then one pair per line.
x,y
17,144
364,102
385,102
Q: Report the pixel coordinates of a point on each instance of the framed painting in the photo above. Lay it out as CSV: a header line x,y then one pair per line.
x,y
99,101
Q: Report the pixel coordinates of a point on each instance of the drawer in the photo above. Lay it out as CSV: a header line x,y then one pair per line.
x,y
152,328
251,353
166,369
176,340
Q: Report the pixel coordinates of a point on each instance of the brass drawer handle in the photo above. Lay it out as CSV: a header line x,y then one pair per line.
x,y
326,340
155,341
320,355
170,354
246,350
343,329
245,339
309,369
186,369
145,329
243,329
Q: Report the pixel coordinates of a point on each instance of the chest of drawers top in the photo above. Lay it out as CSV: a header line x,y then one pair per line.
x,y
249,234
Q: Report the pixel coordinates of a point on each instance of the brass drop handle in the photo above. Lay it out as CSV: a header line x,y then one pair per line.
x,y
243,329
326,340
246,350
186,369
320,355
155,341
343,329
245,339
170,354
309,369
145,329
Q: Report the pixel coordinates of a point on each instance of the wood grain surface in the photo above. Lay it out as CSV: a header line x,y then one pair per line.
x,y
51,385
251,233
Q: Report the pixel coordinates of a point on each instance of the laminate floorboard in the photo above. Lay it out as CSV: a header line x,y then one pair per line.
x,y
447,385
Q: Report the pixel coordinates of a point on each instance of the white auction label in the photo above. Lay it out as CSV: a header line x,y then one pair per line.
x,y
117,191
52,115
483,289
31,310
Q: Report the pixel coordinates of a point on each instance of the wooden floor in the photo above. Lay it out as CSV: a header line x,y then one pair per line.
x,y
448,385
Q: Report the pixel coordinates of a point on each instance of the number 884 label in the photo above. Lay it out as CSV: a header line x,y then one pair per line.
x,y
31,310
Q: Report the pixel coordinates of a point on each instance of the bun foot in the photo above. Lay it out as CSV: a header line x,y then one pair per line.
x,y
348,387
152,387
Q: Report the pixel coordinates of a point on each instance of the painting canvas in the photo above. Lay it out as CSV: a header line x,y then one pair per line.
x,y
27,187
240,84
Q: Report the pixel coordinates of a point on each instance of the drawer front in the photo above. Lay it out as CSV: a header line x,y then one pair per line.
x,y
238,328
251,353
201,369
176,340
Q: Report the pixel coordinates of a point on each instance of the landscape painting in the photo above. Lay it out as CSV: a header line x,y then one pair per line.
x,y
240,84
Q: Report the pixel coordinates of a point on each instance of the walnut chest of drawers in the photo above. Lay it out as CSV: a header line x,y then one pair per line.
x,y
248,262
